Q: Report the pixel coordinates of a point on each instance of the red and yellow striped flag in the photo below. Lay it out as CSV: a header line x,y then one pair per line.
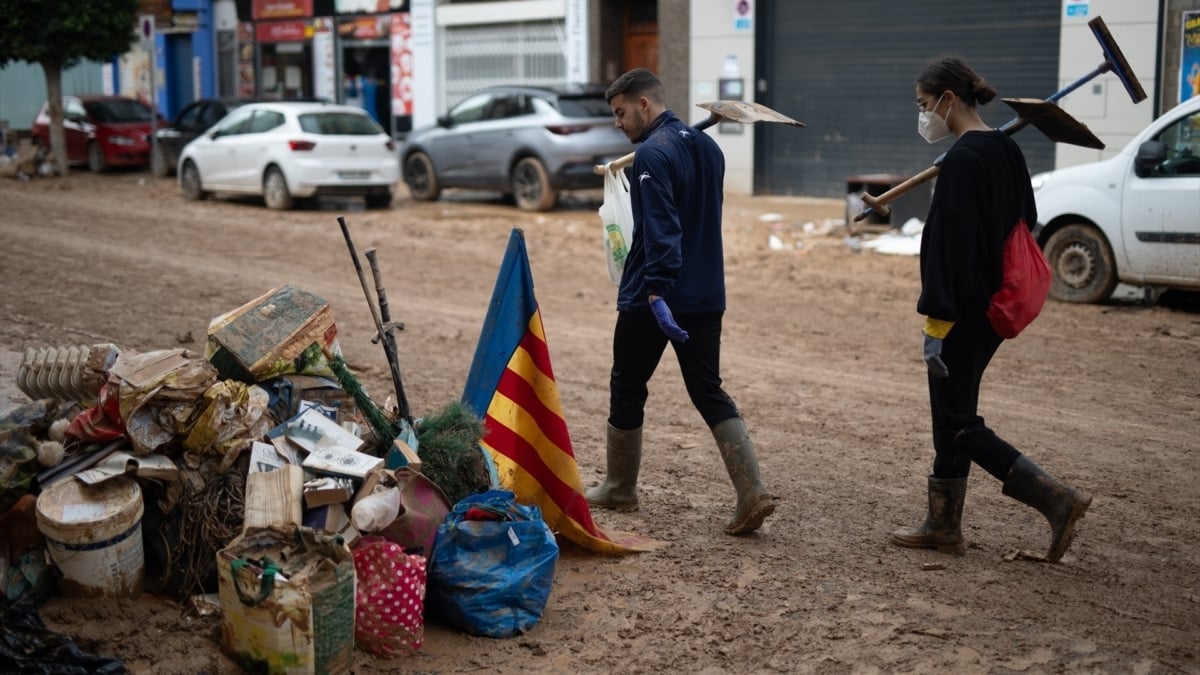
x,y
511,387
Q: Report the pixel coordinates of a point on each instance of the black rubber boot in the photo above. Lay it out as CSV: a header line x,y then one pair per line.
x,y
754,503
942,528
623,460
1062,506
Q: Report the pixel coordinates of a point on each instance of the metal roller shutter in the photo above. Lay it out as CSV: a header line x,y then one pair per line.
x,y
848,71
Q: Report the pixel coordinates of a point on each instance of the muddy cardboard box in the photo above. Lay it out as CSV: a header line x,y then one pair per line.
x,y
282,332
287,601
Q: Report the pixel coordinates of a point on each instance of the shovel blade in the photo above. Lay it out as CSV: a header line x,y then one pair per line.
x,y
747,113
1056,123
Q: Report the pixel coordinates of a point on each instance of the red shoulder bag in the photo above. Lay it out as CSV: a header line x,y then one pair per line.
x,y
1025,285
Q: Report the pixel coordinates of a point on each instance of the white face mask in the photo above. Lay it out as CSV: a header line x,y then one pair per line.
x,y
932,126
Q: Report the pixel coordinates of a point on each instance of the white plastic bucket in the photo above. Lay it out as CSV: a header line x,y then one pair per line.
x,y
94,535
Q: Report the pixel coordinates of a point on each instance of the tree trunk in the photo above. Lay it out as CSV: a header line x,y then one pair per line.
x,y
58,139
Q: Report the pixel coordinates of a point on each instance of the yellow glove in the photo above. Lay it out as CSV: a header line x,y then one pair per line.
x,y
936,328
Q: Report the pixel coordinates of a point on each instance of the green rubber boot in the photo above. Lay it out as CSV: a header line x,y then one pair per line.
x,y
942,528
1062,506
623,460
754,503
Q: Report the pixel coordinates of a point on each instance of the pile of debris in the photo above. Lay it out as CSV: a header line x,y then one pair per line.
x,y
259,465
26,162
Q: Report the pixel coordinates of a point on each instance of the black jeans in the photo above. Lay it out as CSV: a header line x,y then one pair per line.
x,y
959,434
638,345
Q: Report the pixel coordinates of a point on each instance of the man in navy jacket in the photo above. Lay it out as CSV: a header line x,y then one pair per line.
x,y
672,290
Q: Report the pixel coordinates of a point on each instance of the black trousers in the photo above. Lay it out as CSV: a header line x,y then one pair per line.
x,y
638,345
959,433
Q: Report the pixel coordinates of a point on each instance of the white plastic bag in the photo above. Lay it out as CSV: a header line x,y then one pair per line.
x,y
616,214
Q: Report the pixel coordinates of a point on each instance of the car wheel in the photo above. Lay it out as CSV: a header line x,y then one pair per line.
x,y
422,181
531,186
275,191
1082,262
379,201
159,165
189,181
95,158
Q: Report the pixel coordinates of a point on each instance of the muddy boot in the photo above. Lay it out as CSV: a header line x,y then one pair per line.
x,y
624,457
754,503
942,528
1063,506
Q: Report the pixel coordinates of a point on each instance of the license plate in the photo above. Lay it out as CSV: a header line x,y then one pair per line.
x,y
354,175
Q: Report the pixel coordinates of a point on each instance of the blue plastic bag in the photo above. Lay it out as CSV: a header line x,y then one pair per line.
x,y
492,566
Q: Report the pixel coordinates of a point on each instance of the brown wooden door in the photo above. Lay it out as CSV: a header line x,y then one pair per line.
x,y
641,36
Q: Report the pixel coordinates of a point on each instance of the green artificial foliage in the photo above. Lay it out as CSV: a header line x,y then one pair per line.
x,y
450,453
384,431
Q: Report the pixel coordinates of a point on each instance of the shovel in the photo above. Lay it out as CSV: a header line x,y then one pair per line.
x,y
1050,119
734,111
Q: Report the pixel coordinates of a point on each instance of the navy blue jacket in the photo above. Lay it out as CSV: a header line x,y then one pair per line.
x,y
677,190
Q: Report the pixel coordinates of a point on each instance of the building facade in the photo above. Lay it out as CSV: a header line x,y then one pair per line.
x,y
846,70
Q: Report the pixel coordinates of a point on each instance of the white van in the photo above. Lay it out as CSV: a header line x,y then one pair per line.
x,y
1133,218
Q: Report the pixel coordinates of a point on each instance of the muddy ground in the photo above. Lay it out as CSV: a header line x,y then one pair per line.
x,y
821,354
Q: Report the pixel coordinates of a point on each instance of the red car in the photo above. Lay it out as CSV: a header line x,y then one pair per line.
x,y
101,131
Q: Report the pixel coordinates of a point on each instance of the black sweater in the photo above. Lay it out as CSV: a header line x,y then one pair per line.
x,y
982,190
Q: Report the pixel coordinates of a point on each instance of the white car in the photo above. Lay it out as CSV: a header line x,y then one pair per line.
x,y
1132,218
289,151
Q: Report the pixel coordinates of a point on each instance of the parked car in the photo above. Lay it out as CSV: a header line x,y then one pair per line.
x,y
100,131
1132,218
287,151
194,119
527,142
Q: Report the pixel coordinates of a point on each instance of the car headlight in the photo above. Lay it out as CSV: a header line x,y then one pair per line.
x,y
121,140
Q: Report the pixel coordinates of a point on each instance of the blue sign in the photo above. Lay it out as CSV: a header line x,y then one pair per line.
x,y
1077,9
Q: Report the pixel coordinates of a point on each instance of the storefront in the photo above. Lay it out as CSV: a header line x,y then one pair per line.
x,y
360,56
376,67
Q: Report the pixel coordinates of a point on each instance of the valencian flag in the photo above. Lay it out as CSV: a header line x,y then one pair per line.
x,y
511,387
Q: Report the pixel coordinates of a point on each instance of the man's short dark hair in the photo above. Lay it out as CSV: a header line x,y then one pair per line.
x,y
635,83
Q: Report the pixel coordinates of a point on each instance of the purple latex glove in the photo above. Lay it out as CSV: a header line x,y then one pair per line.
x,y
662,314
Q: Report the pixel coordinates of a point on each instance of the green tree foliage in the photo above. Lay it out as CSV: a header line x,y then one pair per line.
x,y
58,35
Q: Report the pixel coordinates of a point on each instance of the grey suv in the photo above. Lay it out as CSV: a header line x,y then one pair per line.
x,y
527,142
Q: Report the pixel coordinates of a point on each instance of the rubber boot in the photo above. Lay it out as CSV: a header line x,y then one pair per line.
x,y
1063,506
623,458
754,503
942,528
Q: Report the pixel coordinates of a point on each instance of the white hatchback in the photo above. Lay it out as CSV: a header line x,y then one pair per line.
x,y
290,151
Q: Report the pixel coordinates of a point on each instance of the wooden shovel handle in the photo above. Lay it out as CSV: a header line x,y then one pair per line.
x,y
878,203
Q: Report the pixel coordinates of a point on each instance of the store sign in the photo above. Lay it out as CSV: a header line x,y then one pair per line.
x,y
364,28
402,65
280,31
282,9
1189,57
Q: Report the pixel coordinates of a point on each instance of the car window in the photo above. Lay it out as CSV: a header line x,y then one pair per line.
x,y
264,120
190,116
237,122
117,110
511,105
471,110
213,112
584,106
1183,148
72,107
339,124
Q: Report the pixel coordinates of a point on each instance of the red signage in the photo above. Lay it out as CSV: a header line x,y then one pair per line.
x,y
281,31
402,66
282,9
